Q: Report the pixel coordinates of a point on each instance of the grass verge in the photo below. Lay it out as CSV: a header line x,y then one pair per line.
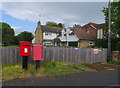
x,y
81,67
10,46
47,68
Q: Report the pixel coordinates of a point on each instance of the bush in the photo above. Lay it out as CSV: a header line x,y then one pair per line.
x,y
118,46
103,43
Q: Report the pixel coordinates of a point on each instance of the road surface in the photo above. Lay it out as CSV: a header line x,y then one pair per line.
x,y
102,78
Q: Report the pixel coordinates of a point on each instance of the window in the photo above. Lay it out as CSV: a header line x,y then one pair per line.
x,y
87,31
47,43
48,33
91,43
64,34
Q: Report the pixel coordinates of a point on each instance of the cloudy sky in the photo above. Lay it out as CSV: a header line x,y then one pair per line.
x,y
23,16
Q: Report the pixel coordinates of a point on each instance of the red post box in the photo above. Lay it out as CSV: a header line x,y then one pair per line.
x,y
37,50
25,48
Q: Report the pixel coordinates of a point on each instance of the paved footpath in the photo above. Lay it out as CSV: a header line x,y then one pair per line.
x,y
103,78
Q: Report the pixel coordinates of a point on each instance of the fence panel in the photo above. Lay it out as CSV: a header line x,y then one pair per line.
x,y
70,55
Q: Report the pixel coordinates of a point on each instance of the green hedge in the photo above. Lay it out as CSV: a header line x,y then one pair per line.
x,y
103,43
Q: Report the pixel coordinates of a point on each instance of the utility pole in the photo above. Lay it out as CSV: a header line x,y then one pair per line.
x,y
109,33
66,38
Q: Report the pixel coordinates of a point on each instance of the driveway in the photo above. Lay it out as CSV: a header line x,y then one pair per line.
x,y
102,78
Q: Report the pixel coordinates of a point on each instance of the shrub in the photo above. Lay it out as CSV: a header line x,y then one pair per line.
x,y
118,46
103,43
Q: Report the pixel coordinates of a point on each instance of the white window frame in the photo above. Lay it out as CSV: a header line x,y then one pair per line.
x,y
48,33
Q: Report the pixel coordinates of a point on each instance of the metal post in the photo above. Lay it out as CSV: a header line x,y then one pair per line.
x,y
24,62
66,39
109,33
37,64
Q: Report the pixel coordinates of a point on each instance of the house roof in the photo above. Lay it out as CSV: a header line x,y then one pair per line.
x,y
49,29
94,25
81,34
44,28
73,28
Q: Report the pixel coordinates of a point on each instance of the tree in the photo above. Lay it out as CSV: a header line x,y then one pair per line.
x,y
77,25
7,34
61,25
53,24
16,40
24,36
115,17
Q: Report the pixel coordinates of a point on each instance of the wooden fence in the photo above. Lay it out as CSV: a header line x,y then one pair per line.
x,y
70,55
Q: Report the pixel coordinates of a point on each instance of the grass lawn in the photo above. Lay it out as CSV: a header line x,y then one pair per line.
x,y
47,68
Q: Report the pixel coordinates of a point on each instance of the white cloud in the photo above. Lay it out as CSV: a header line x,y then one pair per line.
x,y
66,13
17,30
56,0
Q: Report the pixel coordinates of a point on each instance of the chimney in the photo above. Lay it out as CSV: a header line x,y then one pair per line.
x,y
39,23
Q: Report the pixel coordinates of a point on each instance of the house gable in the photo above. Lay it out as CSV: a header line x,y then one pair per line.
x,y
94,29
38,34
90,30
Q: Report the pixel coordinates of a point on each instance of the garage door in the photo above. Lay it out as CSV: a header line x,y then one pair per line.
x,y
73,44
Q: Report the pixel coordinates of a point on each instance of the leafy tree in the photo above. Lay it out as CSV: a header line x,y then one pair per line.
x,y
61,25
16,40
53,24
77,25
24,36
115,17
7,34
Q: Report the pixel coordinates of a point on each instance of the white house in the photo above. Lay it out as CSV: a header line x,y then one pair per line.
x,y
71,36
67,38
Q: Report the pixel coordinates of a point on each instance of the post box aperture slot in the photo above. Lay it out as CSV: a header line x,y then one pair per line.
x,y
25,45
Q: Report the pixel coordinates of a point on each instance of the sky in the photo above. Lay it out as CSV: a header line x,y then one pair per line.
x,y
23,16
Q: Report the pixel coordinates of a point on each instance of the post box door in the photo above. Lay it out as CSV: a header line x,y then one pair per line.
x,y
37,52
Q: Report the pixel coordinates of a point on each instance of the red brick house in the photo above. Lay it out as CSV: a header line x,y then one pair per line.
x,y
85,39
96,30
88,33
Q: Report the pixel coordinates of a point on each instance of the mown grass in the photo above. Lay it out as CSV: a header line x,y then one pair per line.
x,y
55,68
47,68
